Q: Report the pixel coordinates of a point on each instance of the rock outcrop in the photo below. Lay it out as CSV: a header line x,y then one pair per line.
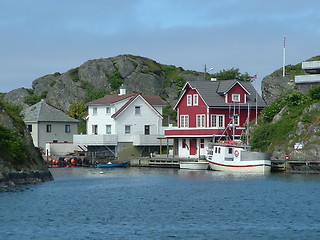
x,y
139,74
14,170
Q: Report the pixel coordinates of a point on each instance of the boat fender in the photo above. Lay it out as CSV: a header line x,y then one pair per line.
x,y
236,153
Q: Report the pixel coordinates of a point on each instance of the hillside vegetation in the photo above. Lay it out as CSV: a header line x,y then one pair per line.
x,y
289,120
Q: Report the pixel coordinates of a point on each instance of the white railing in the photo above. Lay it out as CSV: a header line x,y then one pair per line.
x,y
311,65
150,140
105,139
313,78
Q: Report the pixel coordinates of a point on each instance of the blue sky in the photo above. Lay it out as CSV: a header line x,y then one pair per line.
x,y
40,37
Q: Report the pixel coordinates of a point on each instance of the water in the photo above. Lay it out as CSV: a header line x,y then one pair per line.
x,y
141,203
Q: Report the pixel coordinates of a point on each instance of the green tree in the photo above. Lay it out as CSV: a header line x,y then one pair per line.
x,y
232,73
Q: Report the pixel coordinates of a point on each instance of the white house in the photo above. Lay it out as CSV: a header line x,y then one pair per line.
x,y
47,124
123,125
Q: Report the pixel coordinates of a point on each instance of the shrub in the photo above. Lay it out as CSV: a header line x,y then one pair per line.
x,y
314,92
115,80
74,74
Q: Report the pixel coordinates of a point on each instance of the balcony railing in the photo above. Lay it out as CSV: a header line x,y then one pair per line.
x,y
106,139
311,65
313,78
149,140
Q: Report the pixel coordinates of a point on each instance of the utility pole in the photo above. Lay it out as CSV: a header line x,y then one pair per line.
x,y
205,71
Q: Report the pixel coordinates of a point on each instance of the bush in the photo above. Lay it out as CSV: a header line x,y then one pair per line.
x,y
73,73
115,80
273,109
12,146
314,93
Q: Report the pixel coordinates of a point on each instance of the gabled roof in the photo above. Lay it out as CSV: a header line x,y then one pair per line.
x,y
109,99
42,112
212,91
226,85
150,100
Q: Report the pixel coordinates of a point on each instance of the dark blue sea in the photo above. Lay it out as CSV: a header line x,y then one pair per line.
x,y
147,203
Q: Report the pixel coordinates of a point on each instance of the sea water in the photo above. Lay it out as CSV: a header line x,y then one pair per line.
x,y
147,203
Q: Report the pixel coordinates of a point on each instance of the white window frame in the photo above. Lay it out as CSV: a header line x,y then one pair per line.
x,y
127,129
235,97
200,120
189,100
95,129
217,120
184,121
236,120
108,129
137,110
195,100
108,110
95,111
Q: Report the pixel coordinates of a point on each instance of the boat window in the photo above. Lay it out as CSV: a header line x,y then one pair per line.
x,y
215,149
218,150
230,150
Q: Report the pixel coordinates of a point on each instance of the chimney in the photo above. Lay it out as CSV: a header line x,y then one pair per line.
x,y
122,90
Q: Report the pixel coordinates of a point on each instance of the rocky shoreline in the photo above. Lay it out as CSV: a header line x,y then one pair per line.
x,y
16,178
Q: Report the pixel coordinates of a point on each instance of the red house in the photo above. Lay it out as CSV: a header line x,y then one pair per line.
x,y
208,110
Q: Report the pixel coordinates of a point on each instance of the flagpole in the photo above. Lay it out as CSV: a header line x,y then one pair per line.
x,y
284,57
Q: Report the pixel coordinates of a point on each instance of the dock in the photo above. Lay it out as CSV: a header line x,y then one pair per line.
x,y
295,166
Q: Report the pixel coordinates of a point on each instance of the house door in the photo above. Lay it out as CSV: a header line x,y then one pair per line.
x,y
193,146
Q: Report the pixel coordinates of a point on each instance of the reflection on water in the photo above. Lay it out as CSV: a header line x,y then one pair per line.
x,y
149,203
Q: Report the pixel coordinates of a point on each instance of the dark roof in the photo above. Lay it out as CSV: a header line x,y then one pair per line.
x,y
212,91
42,112
108,99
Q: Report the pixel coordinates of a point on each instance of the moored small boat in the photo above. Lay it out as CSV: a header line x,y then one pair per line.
x,y
112,165
195,165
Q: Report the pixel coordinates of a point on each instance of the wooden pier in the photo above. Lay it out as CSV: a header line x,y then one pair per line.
x,y
295,166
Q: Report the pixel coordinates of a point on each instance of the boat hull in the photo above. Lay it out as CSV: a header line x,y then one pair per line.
x,y
112,165
194,165
258,167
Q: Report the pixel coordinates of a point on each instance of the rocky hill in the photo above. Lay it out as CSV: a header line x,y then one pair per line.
x,y
293,116
103,76
20,161
275,86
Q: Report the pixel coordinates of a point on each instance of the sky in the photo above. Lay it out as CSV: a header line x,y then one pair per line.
x,y
40,37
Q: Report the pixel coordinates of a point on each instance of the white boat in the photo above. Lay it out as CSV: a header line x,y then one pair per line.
x,y
194,165
233,156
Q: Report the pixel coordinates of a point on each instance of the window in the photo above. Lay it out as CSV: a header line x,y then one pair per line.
x,y
184,121
236,120
48,128
189,100
108,110
95,129
94,111
201,142
29,128
235,97
195,100
67,128
137,110
230,150
217,121
200,120
146,129
127,129
108,129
